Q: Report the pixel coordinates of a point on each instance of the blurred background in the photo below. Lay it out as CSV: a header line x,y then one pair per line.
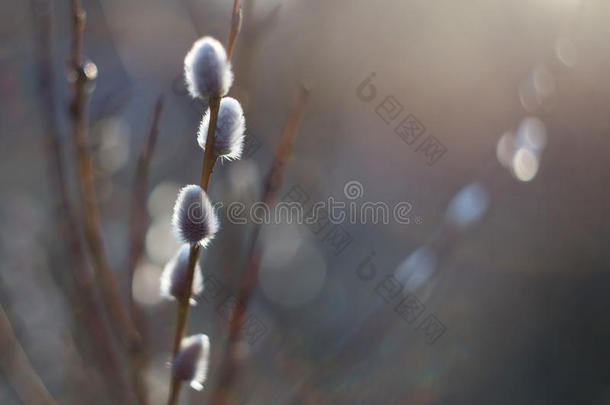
x,y
489,118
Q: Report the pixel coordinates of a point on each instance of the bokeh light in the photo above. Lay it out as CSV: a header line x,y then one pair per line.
x,y
468,206
525,164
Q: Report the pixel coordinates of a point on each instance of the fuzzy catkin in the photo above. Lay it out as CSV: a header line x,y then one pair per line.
x,y
191,362
207,70
174,276
194,220
230,128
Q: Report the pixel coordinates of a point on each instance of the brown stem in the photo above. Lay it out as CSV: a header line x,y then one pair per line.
x,y
138,217
184,302
209,159
284,148
182,317
236,20
109,287
78,26
228,366
209,156
83,77
89,311
174,392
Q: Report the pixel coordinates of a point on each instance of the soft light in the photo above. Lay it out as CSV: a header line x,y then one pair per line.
x,y
525,164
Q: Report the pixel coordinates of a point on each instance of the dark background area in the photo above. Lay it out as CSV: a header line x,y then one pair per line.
x,y
522,293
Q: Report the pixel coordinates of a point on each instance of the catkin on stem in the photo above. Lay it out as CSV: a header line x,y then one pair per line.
x,y
230,128
194,219
207,70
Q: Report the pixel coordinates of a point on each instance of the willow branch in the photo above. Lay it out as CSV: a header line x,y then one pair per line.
x,y
65,217
138,217
82,77
209,160
236,20
89,311
184,306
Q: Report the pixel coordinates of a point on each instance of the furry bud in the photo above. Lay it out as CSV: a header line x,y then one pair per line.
x,y
174,277
194,219
207,70
191,362
230,128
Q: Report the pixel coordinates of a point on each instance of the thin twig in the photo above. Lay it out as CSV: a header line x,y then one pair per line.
x,y
63,217
236,20
89,310
138,217
228,366
137,231
18,369
82,76
54,145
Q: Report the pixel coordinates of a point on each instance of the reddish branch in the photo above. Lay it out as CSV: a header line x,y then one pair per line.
x,y
82,77
236,20
137,233
89,310
138,218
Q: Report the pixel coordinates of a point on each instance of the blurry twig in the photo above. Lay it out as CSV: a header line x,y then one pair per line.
x,y
89,309
251,35
82,76
371,331
228,366
137,231
284,148
17,368
138,218
236,20
54,144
